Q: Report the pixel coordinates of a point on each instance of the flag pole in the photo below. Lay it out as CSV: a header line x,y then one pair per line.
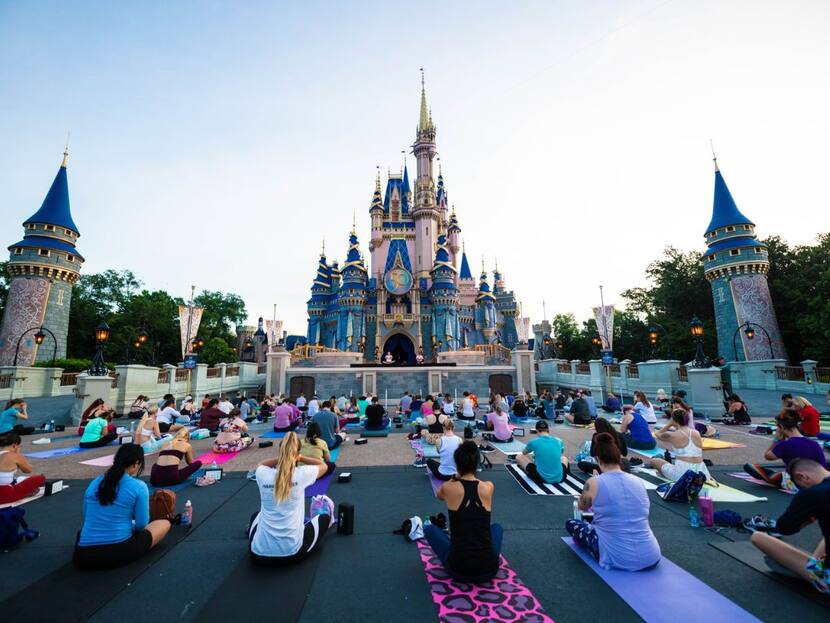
x,y
607,341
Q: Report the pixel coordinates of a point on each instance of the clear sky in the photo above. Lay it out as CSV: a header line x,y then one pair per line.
x,y
218,143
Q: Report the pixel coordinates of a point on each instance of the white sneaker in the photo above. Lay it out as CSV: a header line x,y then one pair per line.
x,y
41,441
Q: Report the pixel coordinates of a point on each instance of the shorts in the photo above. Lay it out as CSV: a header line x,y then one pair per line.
x,y
112,555
533,473
164,427
673,471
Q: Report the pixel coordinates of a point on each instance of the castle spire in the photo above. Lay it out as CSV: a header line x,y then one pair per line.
x,y
55,207
424,121
724,210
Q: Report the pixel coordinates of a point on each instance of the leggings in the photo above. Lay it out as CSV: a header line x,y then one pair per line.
x,y
103,441
638,445
584,535
440,544
533,473
315,530
23,489
22,430
762,473
433,466
170,475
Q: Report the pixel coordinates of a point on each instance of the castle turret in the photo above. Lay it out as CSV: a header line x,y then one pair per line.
x,y
454,237
351,328
443,296
425,210
486,308
42,267
320,296
736,265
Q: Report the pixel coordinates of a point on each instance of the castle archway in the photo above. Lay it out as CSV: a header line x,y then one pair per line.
x,y
401,347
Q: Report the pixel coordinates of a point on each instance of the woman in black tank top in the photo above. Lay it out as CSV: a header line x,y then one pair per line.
x,y
471,553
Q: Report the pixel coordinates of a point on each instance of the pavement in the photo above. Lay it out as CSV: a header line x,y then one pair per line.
x,y
203,574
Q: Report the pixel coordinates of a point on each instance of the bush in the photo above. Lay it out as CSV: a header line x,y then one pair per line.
x,y
70,365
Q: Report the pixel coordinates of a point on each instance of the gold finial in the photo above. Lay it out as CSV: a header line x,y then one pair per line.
x,y
714,157
323,250
425,121
483,270
464,246
403,153
377,180
65,152
354,221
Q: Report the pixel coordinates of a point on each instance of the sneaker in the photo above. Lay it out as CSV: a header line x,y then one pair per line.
x,y
420,463
486,448
41,441
759,523
251,475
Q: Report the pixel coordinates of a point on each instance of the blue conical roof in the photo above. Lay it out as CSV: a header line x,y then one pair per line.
x,y
55,208
724,210
466,273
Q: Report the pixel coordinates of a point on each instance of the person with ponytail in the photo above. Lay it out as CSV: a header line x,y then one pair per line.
x,y
117,529
619,536
686,446
97,433
165,471
147,433
278,533
316,447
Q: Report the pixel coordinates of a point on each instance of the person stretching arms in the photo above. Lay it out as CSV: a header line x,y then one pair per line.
x,y
11,460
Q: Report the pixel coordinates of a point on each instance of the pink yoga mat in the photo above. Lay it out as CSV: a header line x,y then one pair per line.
x,y
755,481
505,598
216,457
101,461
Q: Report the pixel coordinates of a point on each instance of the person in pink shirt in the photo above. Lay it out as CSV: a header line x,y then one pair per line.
x,y
497,421
286,417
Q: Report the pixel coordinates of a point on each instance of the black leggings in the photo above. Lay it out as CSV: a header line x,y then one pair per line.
x,y
22,430
170,475
103,441
638,445
432,465
99,557
313,534
533,473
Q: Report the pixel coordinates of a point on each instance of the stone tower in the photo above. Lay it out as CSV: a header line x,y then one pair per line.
x,y
426,212
43,267
736,265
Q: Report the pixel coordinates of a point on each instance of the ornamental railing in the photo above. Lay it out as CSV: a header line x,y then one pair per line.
x,y
823,375
181,375
69,378
633,371
232,371
214,373
789,373
583,368
683,374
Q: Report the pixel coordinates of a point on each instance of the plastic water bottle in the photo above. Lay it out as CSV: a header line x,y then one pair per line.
x,y
694,515
51,426
187,515
577,512
213,465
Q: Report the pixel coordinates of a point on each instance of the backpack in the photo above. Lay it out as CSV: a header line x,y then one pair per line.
x,y
469,433
162,504
13,528
686,487
322,505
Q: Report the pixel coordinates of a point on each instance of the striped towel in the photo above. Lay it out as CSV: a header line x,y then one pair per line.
x,y
571,486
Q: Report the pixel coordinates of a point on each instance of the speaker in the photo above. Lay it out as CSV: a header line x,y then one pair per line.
x,y
345,518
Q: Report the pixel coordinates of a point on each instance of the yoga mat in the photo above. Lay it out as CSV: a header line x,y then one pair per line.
x,y
181,485
335,453
653,453
755,481
272,435
49,454
511,447
319,487
101,461
719,444
435,482
752,557
216,457
428,451
670,589
719,493
505,598
571,486
40,493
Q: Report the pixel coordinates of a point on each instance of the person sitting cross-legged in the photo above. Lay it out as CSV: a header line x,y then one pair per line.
x,y
376,416
548,463
165,472
619,536
13,489
147,433
580,411
117,529
687,447
789,444
811,503
499,422
316,447
604,426
635,430
95,432
278,533
329,426
233,434
446,444
15,410
471,552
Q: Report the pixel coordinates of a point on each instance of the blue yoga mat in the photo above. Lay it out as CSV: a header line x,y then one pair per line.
x,y
272,435
334,454
48,454
653,453
669,590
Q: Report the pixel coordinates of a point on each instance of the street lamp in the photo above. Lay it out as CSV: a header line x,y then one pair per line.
x,y
247,349
750,335
39,337
696,329
143,336
596,343
198,343
102,334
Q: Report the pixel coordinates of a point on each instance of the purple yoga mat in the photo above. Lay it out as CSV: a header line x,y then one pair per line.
x,y
320,487
435,482
669,588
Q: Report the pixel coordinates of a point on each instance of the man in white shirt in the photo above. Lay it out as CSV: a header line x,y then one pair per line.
x,y
225,405
301,401
341,402
313,406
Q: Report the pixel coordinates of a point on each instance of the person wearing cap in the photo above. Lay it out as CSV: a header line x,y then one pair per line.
x,y
548,465
313,406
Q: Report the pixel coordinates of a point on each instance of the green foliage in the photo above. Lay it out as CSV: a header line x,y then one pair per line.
x,y
118,298
630,337
4,286
216,350
70,365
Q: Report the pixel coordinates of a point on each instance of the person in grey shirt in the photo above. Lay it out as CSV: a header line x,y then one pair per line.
x,y
329,426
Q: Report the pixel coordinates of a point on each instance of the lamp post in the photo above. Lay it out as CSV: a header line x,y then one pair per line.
x,y
750,335
247,349
39,337
596,343
102,334
137,343
696,329
655,333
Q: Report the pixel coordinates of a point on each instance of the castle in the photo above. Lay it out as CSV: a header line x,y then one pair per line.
x,y
43,267
418,296
736,265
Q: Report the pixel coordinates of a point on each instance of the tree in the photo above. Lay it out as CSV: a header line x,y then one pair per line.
x,y
216,350
158,314
222,311
4,286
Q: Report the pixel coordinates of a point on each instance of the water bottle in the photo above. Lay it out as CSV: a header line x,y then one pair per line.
x,y
213,465
577,512
694,515
187,515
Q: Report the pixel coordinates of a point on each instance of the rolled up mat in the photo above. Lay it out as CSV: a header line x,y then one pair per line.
x,y
720,444
434,482
669,590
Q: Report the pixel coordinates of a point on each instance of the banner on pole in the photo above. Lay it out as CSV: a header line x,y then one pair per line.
x,y
273,328
189,320
523,329
604,317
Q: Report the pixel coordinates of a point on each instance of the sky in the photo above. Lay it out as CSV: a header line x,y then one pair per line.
x,y
217,144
